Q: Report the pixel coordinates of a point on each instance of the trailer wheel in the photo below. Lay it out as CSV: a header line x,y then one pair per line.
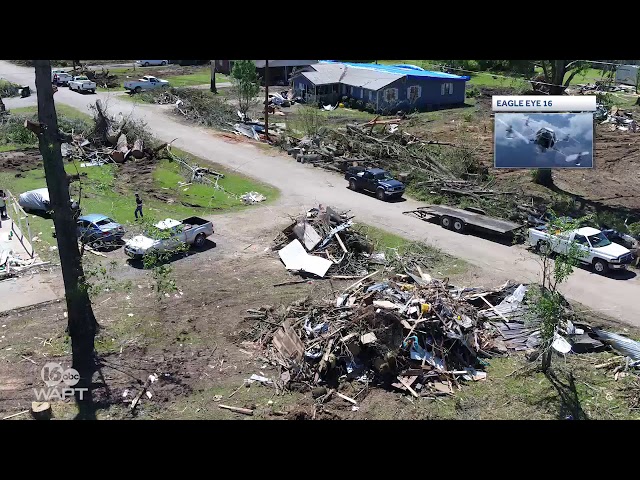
x,y
458,225
600,266
446,222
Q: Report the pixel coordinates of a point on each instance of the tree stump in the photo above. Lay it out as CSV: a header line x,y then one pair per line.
x,y
41,410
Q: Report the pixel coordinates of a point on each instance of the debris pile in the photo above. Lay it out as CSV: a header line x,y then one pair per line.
x,y
12,264
322,242
621,120
251,198
416,335
101,78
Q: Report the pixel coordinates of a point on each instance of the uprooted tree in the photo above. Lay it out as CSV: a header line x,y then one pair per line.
x,y
82,324
246,84
559,259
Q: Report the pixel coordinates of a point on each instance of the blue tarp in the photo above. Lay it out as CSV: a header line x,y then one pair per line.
x,y
409,71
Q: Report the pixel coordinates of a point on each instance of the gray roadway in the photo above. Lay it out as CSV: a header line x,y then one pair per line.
x,y
303,186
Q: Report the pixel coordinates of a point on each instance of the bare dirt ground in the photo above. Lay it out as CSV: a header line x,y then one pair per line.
x,y
20,161
191,337
613,181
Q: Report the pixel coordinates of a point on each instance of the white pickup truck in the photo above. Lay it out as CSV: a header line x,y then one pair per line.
x,y
82,84
171,235
148,82
60,77
597,249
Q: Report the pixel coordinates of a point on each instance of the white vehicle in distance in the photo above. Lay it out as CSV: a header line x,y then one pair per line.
x,y
154,63
82,84
147,82
60,77
597,250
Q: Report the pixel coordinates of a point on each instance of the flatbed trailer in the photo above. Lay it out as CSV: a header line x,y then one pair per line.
x,y
459,220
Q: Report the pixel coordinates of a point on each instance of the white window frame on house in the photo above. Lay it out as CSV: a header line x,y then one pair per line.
x,y
370,96
351,91
387,92
414,88
446,88
361,93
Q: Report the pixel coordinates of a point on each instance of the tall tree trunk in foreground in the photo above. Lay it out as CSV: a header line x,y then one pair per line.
x,y
82,324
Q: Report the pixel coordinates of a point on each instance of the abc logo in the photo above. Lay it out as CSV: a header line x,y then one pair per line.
x,y
53,374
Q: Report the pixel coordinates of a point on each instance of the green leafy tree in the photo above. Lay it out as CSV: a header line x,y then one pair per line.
x,y
559,258
246,84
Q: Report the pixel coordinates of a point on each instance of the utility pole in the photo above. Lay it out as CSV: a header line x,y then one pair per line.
x,y
266,99
82,325
213,77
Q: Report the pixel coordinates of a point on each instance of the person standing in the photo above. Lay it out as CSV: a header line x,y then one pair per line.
x,y
3,205
138,207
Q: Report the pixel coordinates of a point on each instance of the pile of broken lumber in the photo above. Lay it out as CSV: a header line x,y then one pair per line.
x,y
423,338
323,241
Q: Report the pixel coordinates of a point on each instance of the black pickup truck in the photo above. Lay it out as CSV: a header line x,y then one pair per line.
x,y
374,180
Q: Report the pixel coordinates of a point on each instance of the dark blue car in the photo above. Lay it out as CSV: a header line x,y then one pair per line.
x,y
99,230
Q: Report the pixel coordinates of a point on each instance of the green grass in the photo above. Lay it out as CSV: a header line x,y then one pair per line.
x,y
99,197
202,77
436,261
61,109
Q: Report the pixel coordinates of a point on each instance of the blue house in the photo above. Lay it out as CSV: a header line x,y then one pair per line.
x,y
381,88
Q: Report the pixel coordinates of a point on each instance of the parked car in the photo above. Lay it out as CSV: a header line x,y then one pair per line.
x,y
149,63
60,77
374,180
82,84
147,82
98,230
598,250
170,235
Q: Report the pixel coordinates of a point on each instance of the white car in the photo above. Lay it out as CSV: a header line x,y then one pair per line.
x,y
147,82
597,250
149,63
82,84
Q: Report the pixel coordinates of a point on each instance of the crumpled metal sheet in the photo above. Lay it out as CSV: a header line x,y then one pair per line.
x,y
621,344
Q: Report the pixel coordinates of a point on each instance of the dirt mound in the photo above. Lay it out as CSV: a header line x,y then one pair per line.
x,y
21,161
139,175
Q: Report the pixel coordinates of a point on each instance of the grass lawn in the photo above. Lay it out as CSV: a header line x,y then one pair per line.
x,y
61,109
103,193
437,262
199,77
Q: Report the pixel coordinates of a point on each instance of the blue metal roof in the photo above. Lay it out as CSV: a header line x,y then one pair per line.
x,y
93,217
408,70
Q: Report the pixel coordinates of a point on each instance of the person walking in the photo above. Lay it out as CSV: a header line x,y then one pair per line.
x,y
3,205
138,207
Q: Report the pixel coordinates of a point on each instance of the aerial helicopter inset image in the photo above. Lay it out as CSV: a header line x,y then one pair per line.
x,y
546,139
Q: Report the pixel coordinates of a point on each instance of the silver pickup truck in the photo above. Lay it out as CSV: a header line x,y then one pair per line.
x,y
171,234
597,250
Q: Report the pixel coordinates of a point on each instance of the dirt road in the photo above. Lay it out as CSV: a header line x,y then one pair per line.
x,y
303,185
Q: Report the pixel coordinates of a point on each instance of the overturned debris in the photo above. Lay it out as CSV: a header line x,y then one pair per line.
x,y
252,197
326,242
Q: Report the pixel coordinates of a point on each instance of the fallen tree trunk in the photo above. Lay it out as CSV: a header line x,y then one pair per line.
x,y
138,148
119,155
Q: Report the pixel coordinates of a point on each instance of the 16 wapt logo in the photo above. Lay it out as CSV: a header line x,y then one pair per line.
x,y
60,383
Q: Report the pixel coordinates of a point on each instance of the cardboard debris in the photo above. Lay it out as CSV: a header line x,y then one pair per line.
x,y
295,257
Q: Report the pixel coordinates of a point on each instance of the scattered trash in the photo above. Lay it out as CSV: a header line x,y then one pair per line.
x,y
259,378
244,411
253,197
